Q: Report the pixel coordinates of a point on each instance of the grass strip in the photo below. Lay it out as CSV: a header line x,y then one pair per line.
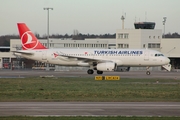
x,y
87,89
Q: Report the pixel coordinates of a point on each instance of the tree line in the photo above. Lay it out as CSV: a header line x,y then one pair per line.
x,y
5,39
173,35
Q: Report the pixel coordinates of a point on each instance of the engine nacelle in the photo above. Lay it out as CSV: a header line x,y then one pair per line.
x,y
109,66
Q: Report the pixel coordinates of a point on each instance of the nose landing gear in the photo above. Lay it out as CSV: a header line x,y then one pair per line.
x,y
148,72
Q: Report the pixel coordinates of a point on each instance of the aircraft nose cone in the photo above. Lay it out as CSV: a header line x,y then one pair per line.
x,y
167,60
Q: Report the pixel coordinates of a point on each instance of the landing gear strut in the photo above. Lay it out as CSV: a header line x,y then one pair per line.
x,y
90,71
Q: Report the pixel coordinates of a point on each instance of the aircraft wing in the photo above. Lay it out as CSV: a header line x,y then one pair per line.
x,y
85,59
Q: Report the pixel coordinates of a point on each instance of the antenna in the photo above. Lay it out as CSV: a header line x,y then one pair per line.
x,y
135,18
123,18
164,22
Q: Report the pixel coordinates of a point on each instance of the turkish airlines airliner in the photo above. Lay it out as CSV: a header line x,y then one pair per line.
x,y
97,59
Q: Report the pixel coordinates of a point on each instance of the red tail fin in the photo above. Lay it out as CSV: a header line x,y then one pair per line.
x,y
28,39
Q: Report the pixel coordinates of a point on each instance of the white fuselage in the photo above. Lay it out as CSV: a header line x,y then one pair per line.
x,y
84,57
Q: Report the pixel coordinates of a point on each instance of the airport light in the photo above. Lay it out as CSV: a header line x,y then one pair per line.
x,y
47,68
164,22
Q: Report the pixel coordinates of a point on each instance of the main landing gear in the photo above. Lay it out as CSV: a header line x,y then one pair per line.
x,y
99,72
90,71
148,72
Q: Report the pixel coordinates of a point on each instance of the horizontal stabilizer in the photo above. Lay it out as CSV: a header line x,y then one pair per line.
x,y
24,52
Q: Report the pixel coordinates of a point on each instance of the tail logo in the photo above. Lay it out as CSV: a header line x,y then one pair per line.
x,y
28,40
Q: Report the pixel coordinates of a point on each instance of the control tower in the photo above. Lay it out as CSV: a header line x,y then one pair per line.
x,y
144,25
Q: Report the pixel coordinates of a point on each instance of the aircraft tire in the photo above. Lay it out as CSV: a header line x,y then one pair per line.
x,y
148,72
90,71
99,72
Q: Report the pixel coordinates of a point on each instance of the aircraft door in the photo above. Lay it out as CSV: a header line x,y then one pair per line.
x,y
44,55
146,55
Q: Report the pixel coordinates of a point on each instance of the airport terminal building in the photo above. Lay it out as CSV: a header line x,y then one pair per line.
x,y
144,36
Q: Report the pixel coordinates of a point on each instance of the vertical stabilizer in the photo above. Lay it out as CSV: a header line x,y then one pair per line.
x,y
28,39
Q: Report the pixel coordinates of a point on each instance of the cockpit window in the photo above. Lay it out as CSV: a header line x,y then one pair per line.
x,y
158,55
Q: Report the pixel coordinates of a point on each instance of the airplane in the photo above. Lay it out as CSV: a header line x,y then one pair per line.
x,y
96,59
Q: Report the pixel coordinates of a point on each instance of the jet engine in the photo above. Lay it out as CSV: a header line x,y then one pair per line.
x,y
108,66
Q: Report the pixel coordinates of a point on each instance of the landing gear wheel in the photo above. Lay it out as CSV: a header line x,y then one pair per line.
x,y
148,72
90,71
99,72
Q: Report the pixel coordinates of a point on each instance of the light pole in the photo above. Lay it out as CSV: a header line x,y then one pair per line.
x,y
164,22
47,68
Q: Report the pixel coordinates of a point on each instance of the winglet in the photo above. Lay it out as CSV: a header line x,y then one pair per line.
x,y
28,39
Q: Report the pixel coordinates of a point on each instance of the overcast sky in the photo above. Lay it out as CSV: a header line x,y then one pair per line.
x,y
87,16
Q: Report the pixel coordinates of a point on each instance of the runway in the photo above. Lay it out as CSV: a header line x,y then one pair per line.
x,y
131,74
89,109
